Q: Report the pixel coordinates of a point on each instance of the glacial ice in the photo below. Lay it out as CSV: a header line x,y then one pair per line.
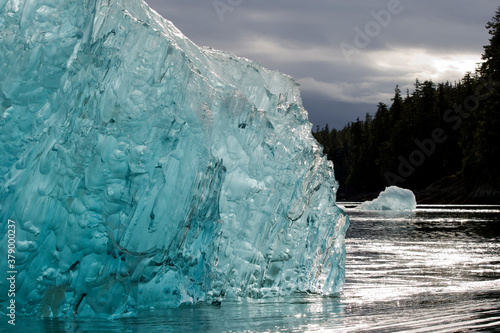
x,y
143,171
392,198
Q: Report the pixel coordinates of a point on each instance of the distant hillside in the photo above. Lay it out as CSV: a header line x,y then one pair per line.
x,y
441,140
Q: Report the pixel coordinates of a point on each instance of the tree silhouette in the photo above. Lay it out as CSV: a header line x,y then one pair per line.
x,y
468,115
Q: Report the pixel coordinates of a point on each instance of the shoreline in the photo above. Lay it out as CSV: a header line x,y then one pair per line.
x,y
449,190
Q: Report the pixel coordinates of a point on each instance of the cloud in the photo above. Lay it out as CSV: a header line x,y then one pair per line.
x,y
438,40
359,92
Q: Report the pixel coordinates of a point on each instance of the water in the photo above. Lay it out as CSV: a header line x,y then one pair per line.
x,y
437,270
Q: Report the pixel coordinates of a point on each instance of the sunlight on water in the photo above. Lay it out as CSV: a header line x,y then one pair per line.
x,y
435,270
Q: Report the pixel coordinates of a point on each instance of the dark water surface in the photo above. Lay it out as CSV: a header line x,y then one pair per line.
x,y
435,270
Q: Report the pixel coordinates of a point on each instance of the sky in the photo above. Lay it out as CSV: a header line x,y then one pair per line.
x,y
347,55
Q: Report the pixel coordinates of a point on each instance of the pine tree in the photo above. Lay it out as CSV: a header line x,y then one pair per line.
x,y
487,134
491,55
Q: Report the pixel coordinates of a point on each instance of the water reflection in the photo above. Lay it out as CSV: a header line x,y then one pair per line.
x,y
427,223
441,257
438,268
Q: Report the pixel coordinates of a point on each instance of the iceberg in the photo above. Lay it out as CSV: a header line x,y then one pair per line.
x,y
392,198
140,171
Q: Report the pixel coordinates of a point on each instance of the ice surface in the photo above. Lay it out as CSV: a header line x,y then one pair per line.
x,y
144,172
393,198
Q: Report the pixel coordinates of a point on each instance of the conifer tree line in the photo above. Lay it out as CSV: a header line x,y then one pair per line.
x,y
437,131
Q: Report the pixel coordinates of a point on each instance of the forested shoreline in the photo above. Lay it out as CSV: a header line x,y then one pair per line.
x,y
441,140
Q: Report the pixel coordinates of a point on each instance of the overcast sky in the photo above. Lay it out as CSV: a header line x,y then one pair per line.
x,y
347,55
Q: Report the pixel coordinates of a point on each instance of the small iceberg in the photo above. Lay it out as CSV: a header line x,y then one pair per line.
x,y
393,198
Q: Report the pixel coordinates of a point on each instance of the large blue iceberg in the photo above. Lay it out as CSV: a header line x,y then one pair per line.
x,y
142,171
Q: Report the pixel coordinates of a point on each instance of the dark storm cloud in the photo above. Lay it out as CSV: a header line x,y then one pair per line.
x,y
437,40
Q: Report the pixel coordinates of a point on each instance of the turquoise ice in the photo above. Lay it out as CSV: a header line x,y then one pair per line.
x,y
392,198
143,171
